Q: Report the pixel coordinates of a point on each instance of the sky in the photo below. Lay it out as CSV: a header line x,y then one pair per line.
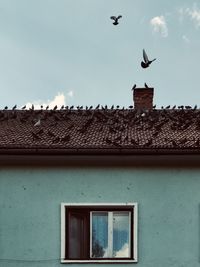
x,y
68,52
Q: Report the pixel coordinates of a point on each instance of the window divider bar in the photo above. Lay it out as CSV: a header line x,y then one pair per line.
x,y
110,234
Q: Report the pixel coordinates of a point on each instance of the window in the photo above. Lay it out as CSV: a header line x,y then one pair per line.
x,y
98,232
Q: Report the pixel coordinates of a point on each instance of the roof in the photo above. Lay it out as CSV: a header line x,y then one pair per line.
x,y
100,131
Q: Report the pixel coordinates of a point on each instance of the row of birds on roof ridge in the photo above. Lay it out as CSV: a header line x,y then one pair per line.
x,y
106,107
146,62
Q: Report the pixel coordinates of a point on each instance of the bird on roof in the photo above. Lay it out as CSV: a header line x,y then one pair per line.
x,y
146,86
38,123
116,19
32,107
24,107
15,106
6,107
134,86
146,62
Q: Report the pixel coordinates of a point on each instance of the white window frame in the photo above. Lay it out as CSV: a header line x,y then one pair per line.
x,y
135,232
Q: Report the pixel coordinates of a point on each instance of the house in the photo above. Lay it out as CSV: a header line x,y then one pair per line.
x,y
100,185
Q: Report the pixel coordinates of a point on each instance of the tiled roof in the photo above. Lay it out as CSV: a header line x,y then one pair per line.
x,y
101,130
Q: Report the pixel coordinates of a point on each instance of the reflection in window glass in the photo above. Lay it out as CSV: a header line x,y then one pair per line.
x,y
99,234
121,243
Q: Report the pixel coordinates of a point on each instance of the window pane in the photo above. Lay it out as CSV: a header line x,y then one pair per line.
x,y
121,234
77,236
99,234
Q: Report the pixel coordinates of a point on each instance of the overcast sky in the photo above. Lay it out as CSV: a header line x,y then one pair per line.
x,y
69,52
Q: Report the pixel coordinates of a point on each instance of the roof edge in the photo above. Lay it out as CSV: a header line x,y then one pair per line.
x,y
99,151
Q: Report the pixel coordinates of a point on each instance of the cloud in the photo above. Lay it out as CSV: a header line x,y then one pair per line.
x,y
159,25
193,13
70,93
123,252
59,100
186,39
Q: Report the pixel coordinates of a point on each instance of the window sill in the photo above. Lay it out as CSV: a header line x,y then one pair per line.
x,y
98,261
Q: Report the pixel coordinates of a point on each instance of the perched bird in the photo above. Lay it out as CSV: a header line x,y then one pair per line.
x,y
146,62
15,106
188,107
24,107
146,86
116,19
134,86
6,107
38,123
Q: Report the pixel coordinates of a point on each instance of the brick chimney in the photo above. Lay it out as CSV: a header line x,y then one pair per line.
x,y
143,98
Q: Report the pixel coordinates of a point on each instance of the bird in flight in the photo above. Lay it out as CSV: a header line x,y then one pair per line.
x,y
146,62
116,19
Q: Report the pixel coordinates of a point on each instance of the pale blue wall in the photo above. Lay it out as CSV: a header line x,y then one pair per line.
x,y
168,202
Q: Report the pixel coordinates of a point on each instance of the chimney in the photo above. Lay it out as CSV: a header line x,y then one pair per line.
x,y
143,98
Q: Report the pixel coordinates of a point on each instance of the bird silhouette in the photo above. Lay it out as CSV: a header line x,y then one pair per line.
x,y
38,123
146,62
146,86
116,19
134,86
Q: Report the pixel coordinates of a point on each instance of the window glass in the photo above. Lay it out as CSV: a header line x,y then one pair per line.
x,y
121,234
77,235
99,234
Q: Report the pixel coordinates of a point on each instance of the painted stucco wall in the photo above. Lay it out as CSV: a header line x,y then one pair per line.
x,y
168,205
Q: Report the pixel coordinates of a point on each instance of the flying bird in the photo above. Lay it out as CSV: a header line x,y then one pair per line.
x,y
146,62
116,19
